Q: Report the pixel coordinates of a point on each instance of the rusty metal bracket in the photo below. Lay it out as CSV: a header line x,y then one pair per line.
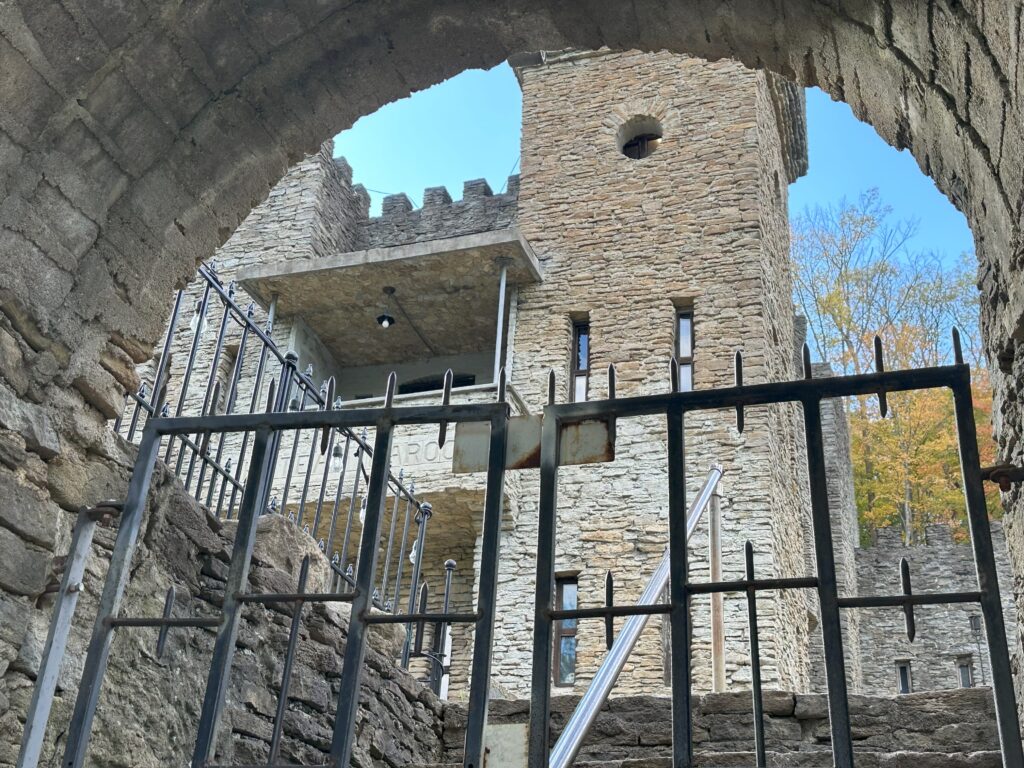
x,y
1004,475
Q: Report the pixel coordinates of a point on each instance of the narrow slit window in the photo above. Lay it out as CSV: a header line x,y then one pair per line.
x,y
580,361
965,672
684,349
565,632
904,681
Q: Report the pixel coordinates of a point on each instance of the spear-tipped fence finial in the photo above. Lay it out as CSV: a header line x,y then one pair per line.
x,y
908,607
551,386
808,370
389,393
673,373
502,384
883,401
739,383
446,399
328,402
958,352
611,381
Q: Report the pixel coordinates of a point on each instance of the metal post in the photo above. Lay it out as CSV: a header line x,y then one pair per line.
x,y
540,697
988,579
426,510
253,501
56,640
355,645
118,573
289,660
500,332
679,617
828,590
755,659
487,594
717,598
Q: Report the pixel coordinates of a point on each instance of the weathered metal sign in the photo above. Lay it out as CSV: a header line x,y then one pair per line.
x,y
588,442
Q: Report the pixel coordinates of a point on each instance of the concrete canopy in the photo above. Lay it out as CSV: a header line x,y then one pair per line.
x,y
445,300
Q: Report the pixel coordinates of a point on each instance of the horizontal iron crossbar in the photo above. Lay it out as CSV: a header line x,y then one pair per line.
x,y
899,601
408,618
357,417
160,621
293,597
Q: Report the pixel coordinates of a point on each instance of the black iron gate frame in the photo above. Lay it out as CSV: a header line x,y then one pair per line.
x,y
267,427
808,394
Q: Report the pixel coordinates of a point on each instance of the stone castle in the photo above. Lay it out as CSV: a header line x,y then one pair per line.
x,y
649,221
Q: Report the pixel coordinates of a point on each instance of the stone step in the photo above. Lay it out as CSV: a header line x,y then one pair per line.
x,y
816,759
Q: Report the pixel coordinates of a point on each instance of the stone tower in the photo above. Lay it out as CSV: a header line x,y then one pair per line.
x,y
653,192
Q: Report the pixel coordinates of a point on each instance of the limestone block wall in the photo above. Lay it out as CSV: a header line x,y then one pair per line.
x,y
625,243
939,564
149,706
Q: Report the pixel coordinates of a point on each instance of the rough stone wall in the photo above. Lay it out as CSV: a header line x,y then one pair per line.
x,y
181,545
626,242
939,564
947,727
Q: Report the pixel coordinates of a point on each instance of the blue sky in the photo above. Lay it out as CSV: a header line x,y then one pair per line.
x,y
468,127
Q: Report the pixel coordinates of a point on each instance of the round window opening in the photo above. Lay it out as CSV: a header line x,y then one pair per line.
x,y
639,137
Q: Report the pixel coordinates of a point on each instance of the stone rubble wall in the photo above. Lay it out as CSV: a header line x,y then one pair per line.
x,y
638,728
939,564
148,705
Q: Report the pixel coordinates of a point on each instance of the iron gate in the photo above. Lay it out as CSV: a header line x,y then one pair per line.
x,y
807,393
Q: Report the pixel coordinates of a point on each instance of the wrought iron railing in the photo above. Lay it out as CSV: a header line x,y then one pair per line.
x,y
319,479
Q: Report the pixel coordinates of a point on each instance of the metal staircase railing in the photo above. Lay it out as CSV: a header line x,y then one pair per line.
x,y
568,744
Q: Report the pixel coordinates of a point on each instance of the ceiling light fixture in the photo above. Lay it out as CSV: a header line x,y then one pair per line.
x,y
385,319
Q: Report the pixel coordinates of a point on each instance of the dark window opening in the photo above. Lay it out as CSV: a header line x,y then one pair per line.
x,y
641,146
965,672
564,671
904,682
684,349
434,383
580,361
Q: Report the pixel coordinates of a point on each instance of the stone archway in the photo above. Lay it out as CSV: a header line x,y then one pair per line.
x,y
135,137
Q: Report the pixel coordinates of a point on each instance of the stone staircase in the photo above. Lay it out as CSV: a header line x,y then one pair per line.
x,y
949,729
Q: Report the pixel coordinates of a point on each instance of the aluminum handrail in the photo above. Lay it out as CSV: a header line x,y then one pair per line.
x,y
569,743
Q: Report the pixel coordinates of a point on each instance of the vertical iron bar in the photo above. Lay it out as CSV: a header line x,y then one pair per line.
x,y
401,550
337,496
828,590
56,641
286,672
294,453
540,697
118,573
284,389
487,594
988,579
443,629
355,645
211,380
352,507
187,376
717,598
309,473
133,425
500,331
159,392
755,660
328,455
253,501
254,400
425,511
682,726
232,397
384,581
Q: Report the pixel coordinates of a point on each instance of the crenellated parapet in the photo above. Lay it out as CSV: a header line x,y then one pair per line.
x,y
479,210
